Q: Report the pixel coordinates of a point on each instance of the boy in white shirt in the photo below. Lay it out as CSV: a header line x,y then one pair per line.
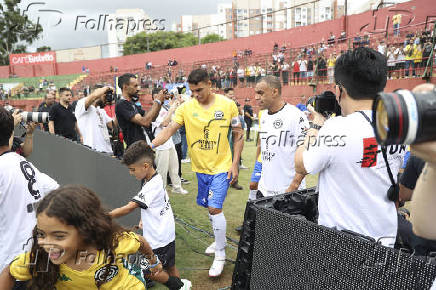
x,y
156,213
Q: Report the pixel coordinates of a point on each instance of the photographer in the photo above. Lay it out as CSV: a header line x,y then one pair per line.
x,y
21,187
62,120
93,121
353,177
131,118
49,101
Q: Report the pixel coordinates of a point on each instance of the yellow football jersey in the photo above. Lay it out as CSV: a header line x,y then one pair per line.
x,y
207,133
122,275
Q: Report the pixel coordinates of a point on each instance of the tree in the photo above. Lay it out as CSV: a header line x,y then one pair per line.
x,y
15,30
157,41
211,38
43,48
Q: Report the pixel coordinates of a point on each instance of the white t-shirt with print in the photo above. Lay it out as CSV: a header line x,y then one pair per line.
x,y
279,135
22,185
93,126
156,213
157,128
353,179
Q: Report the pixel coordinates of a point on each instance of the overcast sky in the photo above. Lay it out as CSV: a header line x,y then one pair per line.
x,y
64,35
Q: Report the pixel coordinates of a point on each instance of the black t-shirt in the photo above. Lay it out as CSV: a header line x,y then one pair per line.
x,y
64,121
412,172
43,107
248,109
125,110
310,65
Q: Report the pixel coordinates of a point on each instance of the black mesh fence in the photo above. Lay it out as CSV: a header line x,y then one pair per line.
x,y
282,248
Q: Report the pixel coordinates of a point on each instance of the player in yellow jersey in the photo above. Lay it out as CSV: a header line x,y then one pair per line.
x,y
208,118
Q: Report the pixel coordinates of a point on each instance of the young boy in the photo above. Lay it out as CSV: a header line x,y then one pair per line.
x,y
156,213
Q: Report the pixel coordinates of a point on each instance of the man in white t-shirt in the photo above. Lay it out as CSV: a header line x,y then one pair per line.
x,y
22,186
353,177
93,121
283,125
167,161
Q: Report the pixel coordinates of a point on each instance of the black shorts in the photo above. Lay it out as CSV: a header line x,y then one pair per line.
x,y
167,255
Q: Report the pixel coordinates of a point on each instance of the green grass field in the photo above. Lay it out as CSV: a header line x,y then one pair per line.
x,y
190,243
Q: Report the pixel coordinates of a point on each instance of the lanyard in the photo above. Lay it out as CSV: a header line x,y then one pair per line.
x,y
385,157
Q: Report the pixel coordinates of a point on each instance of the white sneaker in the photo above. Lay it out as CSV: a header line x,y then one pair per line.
x,y
242,166
210,250
180,190
217,266
187,160
186,284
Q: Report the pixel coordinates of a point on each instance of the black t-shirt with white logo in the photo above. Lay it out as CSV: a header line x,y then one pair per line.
x,y
64,121
125,111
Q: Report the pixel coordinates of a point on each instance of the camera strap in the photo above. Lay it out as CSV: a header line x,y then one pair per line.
x,y
394,190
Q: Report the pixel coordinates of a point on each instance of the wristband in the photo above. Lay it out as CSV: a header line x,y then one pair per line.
x,y
315,126
158,102
155,264
152,146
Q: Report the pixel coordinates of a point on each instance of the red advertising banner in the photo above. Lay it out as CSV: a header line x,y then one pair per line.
x,y
32,58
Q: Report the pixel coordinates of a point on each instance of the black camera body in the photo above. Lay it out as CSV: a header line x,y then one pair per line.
x,y
325,104
109,96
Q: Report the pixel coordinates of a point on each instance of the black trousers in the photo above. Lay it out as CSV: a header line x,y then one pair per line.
x,y
248,123
407,239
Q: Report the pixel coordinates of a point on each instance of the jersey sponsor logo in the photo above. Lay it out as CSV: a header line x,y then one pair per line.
x,y
219,115
101,273
29,175
278,123
206,143
267,156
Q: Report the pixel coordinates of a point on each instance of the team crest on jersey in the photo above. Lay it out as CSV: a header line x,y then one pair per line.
x,y
219,115
210,193
278,123
100,273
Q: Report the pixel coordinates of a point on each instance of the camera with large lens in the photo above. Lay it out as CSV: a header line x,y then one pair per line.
x,y
403,117
37,117
325,104
109,96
